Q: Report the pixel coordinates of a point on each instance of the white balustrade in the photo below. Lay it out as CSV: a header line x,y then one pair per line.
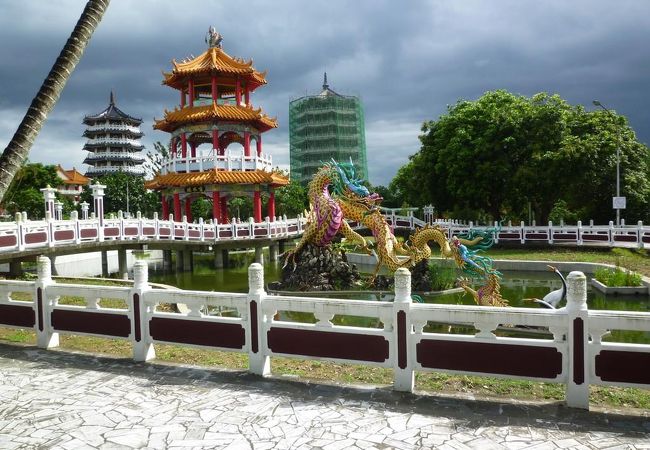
x,y
231,160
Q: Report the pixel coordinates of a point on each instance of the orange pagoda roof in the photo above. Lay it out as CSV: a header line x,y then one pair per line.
x,y
173,119
216,177
72,176
213,60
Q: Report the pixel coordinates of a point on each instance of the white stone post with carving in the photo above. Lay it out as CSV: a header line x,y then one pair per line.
x,y
404,379
577,390
45,336
84,210
49,195
258,360
143,349
98,207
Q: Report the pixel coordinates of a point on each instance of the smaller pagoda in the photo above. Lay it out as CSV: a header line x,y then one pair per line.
x,y
113,142
215,111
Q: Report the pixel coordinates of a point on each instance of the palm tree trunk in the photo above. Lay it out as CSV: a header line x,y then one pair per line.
x,y
18,148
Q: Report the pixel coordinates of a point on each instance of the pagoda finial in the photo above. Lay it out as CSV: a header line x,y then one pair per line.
x,y
213,38
325,85
112,98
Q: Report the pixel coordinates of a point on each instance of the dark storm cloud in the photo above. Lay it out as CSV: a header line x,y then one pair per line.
x,y
407,60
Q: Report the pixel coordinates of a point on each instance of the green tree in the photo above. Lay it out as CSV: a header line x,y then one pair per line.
x,y
291,199
119,187
24,192
154,160
17,151
492,157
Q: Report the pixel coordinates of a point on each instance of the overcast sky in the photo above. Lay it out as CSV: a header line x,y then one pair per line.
x,y
407,60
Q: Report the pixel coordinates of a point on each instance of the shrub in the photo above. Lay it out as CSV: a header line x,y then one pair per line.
x,y
618,277
441,278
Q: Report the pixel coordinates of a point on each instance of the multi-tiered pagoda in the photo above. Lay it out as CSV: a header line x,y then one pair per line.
x,y
215,111
113,142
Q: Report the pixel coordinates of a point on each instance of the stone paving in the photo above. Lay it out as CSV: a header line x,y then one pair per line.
x,y
55,399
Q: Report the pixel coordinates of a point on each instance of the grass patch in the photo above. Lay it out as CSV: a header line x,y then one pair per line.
x,y
618,277
637,260
346,373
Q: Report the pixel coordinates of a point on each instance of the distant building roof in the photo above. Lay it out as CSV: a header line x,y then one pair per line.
x,y
71,176
112,112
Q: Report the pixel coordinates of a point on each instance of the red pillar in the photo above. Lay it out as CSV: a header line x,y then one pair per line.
x,y
190,89
247,96
216,206
193,149
182,98
214,89
224,210
188,208
215,140
172,146
258,142
247,143
165,207
238,92
271,206
257,206
177,207
183,145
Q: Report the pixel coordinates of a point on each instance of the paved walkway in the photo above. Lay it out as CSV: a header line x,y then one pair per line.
x,y
52,399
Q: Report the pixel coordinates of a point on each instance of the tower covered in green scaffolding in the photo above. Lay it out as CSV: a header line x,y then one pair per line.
x,y
325,126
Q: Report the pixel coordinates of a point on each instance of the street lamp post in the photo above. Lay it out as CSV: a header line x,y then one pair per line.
x,y
618,163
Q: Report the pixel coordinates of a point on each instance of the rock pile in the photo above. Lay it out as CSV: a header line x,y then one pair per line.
x,y
318,269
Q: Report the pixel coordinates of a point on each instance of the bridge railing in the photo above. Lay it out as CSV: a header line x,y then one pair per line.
x,y
27,235
401,335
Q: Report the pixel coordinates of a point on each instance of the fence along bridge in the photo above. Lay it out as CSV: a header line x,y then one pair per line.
x,y
24,239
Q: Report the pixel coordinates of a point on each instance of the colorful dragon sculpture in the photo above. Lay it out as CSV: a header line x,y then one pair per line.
x,y
337,195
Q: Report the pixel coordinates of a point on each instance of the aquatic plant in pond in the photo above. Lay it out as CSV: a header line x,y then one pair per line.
x,y
618,277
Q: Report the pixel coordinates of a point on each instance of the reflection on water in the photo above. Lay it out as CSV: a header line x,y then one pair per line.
x,y
515,287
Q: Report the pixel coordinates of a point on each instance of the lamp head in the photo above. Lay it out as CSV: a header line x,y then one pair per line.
x,y
597,103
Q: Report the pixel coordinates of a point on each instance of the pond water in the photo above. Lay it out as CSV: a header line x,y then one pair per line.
x,y
515,287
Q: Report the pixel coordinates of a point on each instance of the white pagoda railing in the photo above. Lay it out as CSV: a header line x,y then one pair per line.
x,y
113,141
573,352
107,126
230,160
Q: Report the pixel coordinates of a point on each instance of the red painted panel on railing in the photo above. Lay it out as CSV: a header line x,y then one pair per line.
x,y
243,233
536,236
402,223
63,235
208,234
17,316
8,241
595,237
501,359
111,232
623,367
36,238
625,238
106,324
508,236
179,232
261,232
292,228
195,332
164,232
194,233
565,237
87,233
646,239
148,231
328,344
225,233
131,231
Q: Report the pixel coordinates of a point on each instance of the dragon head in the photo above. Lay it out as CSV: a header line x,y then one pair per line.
x,y
346,184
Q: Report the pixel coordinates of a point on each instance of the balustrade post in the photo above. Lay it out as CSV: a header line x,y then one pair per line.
x,y
143,349
639,234
20,232
58,209
49,195
84,210
98,203
550,232
577,389
404,378
496,233
611,233
45,335
522,232
579,232
259,362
